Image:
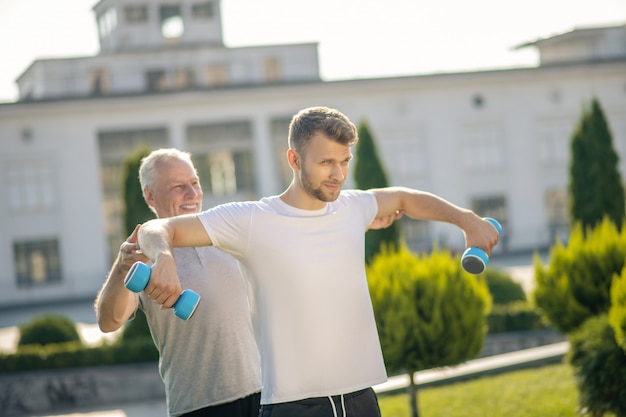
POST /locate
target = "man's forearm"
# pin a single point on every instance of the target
(427, 206)
(155, 238)
(114, 304)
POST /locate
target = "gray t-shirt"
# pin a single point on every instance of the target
(212, 358)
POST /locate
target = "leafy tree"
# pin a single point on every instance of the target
(595, 186)
(136, 210)
(369, 173)
(575, 284)
(429, 312)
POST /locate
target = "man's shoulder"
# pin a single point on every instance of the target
(353, 194)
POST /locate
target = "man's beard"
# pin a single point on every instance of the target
(320, 193)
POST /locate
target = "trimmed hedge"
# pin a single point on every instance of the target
(76, 355)
(515, 317)
(502, 288)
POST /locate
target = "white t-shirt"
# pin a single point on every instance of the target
(212, 358)
(316, 330)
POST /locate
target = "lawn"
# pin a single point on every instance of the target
(547, 391)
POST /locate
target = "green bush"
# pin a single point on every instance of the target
(599, 366)
(502, 288)
(617, 311)
(45, 330)
(575, 285)
(515, 317)
(429, 311)
(76, 355)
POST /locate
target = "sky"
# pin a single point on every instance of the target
(357, 38)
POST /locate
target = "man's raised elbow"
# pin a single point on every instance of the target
(108, 326)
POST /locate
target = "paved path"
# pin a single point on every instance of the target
(483, 366)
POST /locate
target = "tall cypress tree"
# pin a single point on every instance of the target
(369, 173)
(136, 211)
(595, 187)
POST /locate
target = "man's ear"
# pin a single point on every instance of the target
(294, 159)
(148, 196)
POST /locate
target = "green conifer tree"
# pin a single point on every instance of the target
(575, 285)
(370, 173)
(136, 210)
(595, 186)
(429, 312)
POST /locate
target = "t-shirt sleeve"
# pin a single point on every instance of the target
(363, 202)
(227, 225)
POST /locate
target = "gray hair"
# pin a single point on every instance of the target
(148, 164)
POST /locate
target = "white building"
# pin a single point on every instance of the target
(495, 141)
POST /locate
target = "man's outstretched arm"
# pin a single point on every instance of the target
(426, 206)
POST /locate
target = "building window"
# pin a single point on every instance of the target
(37, 262)
(409, 154)
(554, 138)
(483, 148)
(107, 22)
(204, 10)
(416, 235)
(494, 206)
(226, 172)
(183, 78)
(99, 81)
(216, 75)
(557, 210)
(222, 173)
(31, 186)
(271, 69)
(172, 25)
(156, 80)
(136, 13)
(223, 157)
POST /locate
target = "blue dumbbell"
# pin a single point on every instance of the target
(475, 260)
(137, 279)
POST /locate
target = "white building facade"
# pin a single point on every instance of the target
(496, 141)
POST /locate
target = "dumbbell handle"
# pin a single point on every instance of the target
(137, 279)
(475, 260)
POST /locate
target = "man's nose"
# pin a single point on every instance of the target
(337, 173)
(190, 189)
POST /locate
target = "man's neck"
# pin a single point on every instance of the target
(298, 198)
